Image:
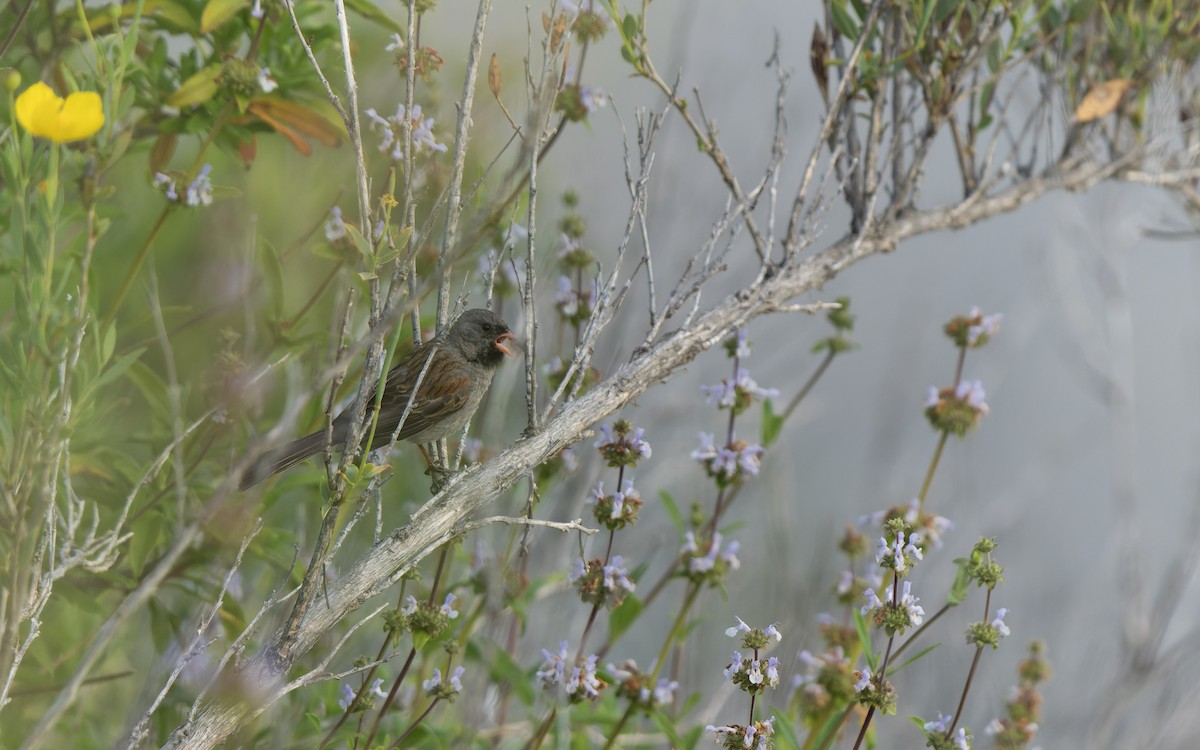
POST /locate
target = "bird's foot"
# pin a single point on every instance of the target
(439, 477)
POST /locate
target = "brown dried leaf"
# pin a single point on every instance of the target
(817, 53)
(494, 76)
(556, 33)
(1102, 99)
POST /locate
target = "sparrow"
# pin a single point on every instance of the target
(461, 365)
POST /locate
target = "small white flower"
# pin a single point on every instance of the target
(266, 82)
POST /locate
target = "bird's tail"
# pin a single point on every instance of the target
(284, 457)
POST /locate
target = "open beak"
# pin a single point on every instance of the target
(507, 348)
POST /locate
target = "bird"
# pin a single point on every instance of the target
(461, 364)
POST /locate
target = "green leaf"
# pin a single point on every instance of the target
(273, 270)
(630, 27)
(504, 670)
(926, 17)
(145, 539)
(371, 12)
(667, 725)
(828, 729)
(785, 731)
(772, 424)
(197, 89)
(842, 20)
(118, 368)
(360, 243)
(673, 511)
(962, 583)
(864, 637)
(623, 616)
(918, 655)
(217, 12)
(109, 343)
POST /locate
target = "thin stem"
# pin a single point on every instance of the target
(962, 701)
(616, 731)
(676, 626)
(863, 731)
(540, 735)
(933, 464)
(413, 726)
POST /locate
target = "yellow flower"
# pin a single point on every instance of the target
(44, 113)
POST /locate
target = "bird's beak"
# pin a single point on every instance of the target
(507, 348)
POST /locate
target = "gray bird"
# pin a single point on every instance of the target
(464, 361)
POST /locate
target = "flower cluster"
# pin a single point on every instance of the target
(974, 329)
(843, 323)
(1023, 709)
(600, 584)
(622, 444)
(618, 510)
(424, 620)
(335, 225)
(707, 562)
(758, 736)
(981, 568)
(574, 305)
(579, 682)
(589, 20)
(989, 633)
(753, 674)
(873, 690)
(366, 702)
(929, 527)
(892, 615)
(737, 394)
(634, 686)
(391, 128)
(940, 737)
(730, 463)
(435, 687)
(901, 552)
(571, 253)
(576, 101)
(199, 192)
(827, 678)
(956, 410)
(848, 585)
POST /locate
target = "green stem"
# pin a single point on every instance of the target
(616, 731)
(51, 224)
(133, 270)
(933, 464)
(676, 626)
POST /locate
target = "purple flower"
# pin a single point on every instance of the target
(347, 697)
(941, 726)
(389, 129)
(998, 623)
(554, 666)
(335, 227)
(433, 682)
(583, 682)
(199, 192)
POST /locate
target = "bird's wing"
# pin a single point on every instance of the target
(445, 389)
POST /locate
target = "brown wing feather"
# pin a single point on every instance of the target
(444, 390)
